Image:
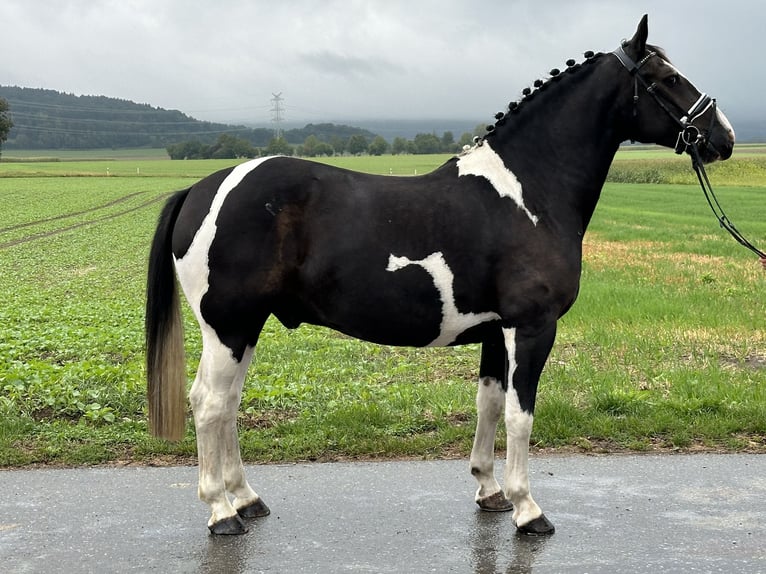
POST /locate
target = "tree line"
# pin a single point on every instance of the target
(228, 146)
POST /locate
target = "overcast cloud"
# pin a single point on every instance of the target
(354, 59)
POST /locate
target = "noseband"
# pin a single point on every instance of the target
(689, 137)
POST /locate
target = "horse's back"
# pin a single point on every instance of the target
(313, 243)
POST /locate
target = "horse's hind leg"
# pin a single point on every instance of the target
(215, 398)
(490, 402)
(246, 501)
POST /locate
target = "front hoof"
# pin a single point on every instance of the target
(227, 526)
(255, 509)
(495, 503)
(540, 526)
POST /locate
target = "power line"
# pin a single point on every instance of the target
(17, 128)
(105, 122)
(13, 103)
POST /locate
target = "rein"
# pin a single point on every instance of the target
(689, 138)
(715, 206)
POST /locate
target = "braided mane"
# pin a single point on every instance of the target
(528, 94)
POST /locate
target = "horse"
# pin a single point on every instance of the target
(487, 249)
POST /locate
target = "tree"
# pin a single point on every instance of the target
(5, 121)
(338, 144)
(310, 146)
(379, 146)
(230, 147)
(279, 146)
(427, 143)
(187, 150)
(399, 145)
(323, 148)
(357, 145)
(448, 142)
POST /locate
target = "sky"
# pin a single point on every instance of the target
(340, 60)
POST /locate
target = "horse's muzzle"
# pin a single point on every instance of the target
(719, 140)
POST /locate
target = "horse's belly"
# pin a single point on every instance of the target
(417, 319)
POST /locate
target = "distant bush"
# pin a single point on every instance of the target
(226, 147)
(741, 171)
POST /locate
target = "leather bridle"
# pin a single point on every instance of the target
(689, 137)
(689, 134)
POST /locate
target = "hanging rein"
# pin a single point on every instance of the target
(689, 138)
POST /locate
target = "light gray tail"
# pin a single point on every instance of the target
(165, 357)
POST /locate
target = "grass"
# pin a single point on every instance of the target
(665, 347)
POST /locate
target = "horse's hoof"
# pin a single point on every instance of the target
(495, 503)
(230, 525)
(254, 510)
(540, 526)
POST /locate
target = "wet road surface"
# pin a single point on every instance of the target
(645, 513)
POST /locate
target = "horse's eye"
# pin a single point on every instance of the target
(672, 80)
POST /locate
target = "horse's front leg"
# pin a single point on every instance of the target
(526, 358)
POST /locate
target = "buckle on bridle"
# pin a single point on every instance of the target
(688, 137)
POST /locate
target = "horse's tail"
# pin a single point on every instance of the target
(165, 358)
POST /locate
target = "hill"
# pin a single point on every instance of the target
(47, 119)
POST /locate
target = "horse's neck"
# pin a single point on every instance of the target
(561, 147)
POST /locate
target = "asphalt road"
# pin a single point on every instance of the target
(646, 513)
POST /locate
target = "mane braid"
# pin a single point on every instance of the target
(514, 107)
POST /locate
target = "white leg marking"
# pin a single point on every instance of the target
(490, 400)
(233, 471)
(482, 161)
(518, 426)
(215, 397)
(453, 321)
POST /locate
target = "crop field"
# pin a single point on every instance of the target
(664, 349)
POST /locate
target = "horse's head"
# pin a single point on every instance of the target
(665, 106)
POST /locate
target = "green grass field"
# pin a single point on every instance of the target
(665, 348)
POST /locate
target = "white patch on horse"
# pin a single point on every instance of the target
(453, 321)
(724, 121)
(482, 161)
(192, 268)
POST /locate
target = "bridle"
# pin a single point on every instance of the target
(689, 137)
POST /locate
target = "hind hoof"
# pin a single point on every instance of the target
(228, 526)
(495, 503)
(255, 509)
(540, 526)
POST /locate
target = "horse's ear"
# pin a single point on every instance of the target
(638, 41)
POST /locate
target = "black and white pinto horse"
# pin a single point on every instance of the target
(485, 249)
